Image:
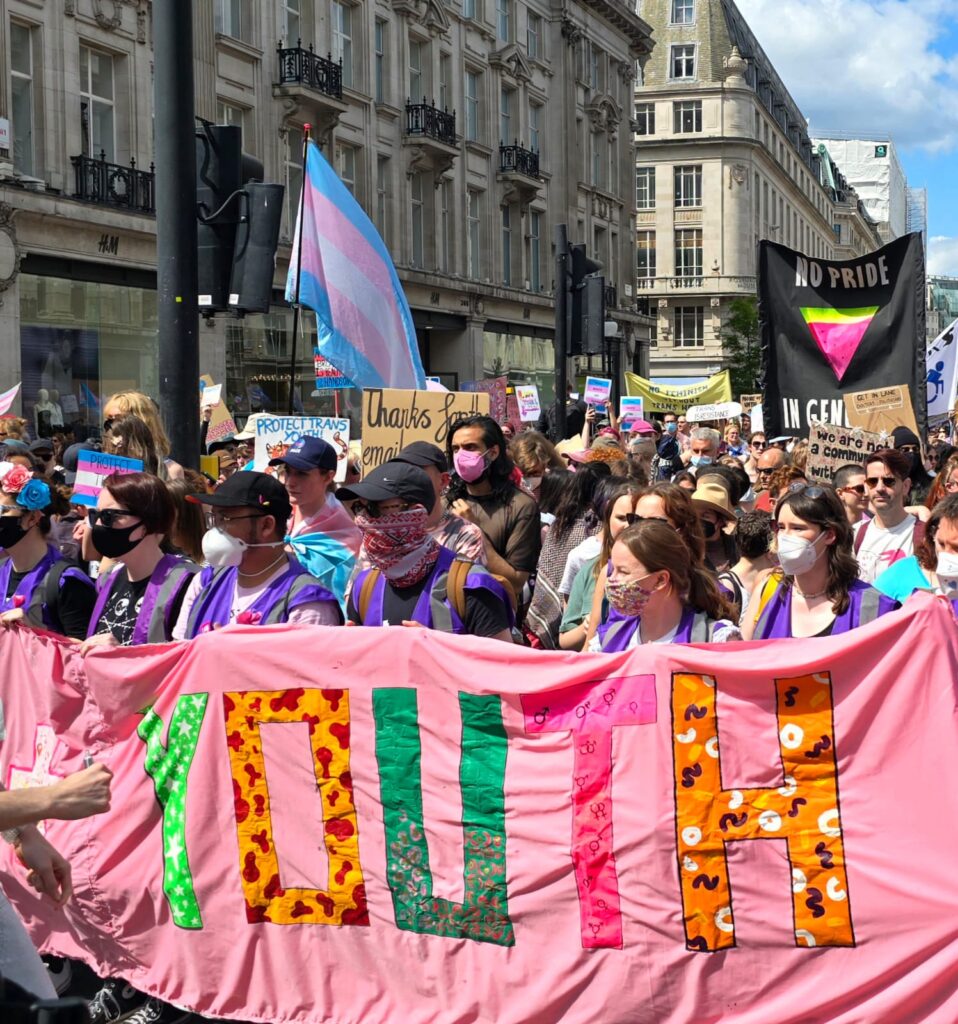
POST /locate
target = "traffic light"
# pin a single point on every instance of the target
(588, 310)
(239, 219)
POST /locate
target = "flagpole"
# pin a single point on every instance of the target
(299, 272)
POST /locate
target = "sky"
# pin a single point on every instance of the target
(878, 66)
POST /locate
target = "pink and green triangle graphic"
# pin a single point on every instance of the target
(838, 333)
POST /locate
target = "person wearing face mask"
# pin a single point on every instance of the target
(38, 586)
(704, 448)
(251, 579)
(668, 452)
(934, 565)
(139, 600)
(660, 595)
(413, 581)
(906, 442)
(816, 590)
(713, 504)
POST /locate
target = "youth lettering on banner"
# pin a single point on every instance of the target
(288, 803)
(275, 435)
(830, 328)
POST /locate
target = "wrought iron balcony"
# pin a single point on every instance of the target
(428, 121)
(298, 66)
(98, 181)
(516, 159)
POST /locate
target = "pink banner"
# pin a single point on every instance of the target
(314, 825)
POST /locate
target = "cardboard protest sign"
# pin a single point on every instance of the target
(346, 822)
(748, 402)
(830, 447)
(881, 409)
(275, 435)
(393, 418)
(662, 398)
(527, 395)
(717, 411)
(93, 468)
(597, 390)
(210, 465)
(222, 426)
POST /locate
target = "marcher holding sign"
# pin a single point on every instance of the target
(275, 435)
(93, 468)
(718, 411)
(597, 390)
(528, 397)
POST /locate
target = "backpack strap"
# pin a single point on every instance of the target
(51, 587)
(868, 609)
(860, 536)
(456, 586)
(700, 632)
(769, 590)
(366, 593)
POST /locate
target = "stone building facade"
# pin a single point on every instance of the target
(467, 129)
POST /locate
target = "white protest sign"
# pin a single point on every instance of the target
(631, 407)
(758, 419)
(941, 366)
(211, 395)
(597, 390)
(719, 411)
(527, 395)
(275, 435)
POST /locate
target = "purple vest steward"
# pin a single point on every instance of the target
(32, 593)
(865, 604)
(169, 580)
(694, 628)
(434, 610)
(214, 603)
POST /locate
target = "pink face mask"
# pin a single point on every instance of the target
(469, 465)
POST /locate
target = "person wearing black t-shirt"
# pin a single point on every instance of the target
(38, 586)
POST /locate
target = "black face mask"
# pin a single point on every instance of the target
(113, 542)
(11, 533)
(709, 528)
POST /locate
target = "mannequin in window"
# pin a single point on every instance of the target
(43, 411)
(56, 417)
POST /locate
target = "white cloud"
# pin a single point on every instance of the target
(943, 256)
(865, 65)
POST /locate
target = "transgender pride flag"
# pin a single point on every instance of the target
(364, 325)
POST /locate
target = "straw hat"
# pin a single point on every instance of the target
(714, 497)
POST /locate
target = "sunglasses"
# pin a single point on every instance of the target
(812, 490)
(759, 446)
(859, 489)
(873, 481)
(766, 472)
(107, 516)
(632, 518)
(108, 424)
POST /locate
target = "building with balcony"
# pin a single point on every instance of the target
(723, 159)
(467, 129)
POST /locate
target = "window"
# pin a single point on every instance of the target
(231, 18)
(294, 177)
(445, 82)
(445, 226)
(599, 158)
(507, 99)
(292, 22)
(21, 98)
(472, 217)
(689, 326)
(645, 258)
(417, 218)
(535, 251)
(533, 35)
(96, 104)
(645, 188)
(380, 47)
(506, 245)
(342, 39)
(503, 20)
(594, 55)
(687, 117)
(535, 115)
(382, 197)
(645, 119)
(227, 113)
(688, 254)
(416, 94)
(469, 9)
(612, 178)
(472, 106)
(682, 61)
(683, 12)
(346, 166)
(688, 185)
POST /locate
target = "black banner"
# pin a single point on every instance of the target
(830, 328)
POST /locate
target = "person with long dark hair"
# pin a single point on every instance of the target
(816, 590)
(934, 565)
(482, 491)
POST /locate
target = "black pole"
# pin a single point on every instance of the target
(562, 327)
(177, 308)
(299, 274)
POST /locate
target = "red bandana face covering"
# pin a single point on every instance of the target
(398, 545)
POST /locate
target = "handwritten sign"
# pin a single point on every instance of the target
(275, 435)
(93, 468)
(597, 390)
(881, 409)
(748, 402)
(831, 446)
(495, 388)
(718, 411)
(527, 395)
(393, 418)
(328, 378)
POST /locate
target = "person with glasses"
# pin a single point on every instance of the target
(934, 565)
(849, 484)
(139, 600)
(659, 594)
(906, 441)
(767, 464)
(413, 581)
(38, 586)
(816, 590)
(893, 533)
(251, 579)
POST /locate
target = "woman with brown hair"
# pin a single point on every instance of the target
(934, 565)
(187, 536)
(125, 403)
(535, 455)
(660, 594)
(131, 437)
(945, 483)
(816, 590)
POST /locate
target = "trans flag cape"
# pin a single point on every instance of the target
(345, 273)
(328, 548)
(372, 826)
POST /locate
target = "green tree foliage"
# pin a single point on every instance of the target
(741, 346)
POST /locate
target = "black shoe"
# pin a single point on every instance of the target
(115, 1001)
(60, 970)
(153, 1011)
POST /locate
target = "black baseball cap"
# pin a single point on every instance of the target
(249, 490)
(43, 444)
(422, 454)
(308, 453)
(393, 480)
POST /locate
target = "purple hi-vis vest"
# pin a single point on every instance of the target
(865, 604)
(434, 609)
(154, 623)
(31, 594)
(694, 628)
(213, 606)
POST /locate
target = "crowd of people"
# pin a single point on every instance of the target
(623, 534)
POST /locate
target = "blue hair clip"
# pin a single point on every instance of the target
(34, 495)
